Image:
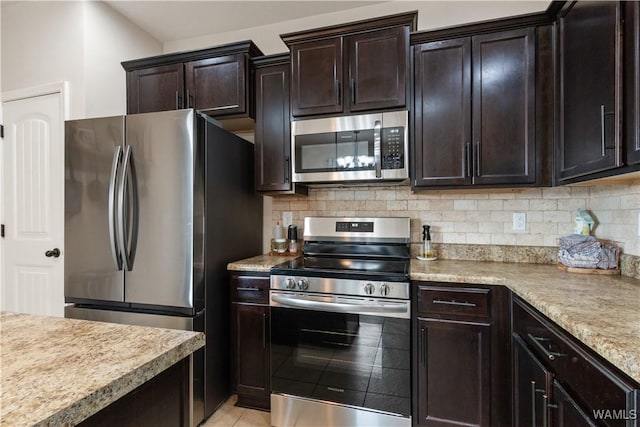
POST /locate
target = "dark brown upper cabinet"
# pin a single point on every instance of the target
(317, 77)
(378, 72)
(442, 113)
(217, 86)
(216, 81)
(632, 80)
(272, 127)
(155, 89)
(475, 110)
(348, 68)
(590, 89)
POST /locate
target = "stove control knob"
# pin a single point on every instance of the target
(369, 289)
(384, 290)
(290, 283)
(303, 284)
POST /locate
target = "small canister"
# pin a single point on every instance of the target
(292, 237)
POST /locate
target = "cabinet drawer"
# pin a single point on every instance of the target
(468, 302)
(593, 380)
(254, 289)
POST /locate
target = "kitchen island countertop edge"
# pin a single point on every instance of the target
(58, 371)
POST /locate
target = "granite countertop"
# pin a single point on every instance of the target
(58, 371)
(260, 263)
(601, 311)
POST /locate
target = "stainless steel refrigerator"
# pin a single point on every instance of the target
(156, 205)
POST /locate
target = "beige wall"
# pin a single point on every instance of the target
(483, 217)
(110, 39)
(42, 43)
(75, 41)
(431, 14)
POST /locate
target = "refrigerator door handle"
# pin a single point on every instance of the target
(115, 250)
(132, 202)
(127, 230)
(123, 209)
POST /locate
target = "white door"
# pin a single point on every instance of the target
(33, 181)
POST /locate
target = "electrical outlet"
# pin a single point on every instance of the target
(287, 219)
(519, 221)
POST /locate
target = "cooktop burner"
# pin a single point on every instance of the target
(352, 248)
(389, 270)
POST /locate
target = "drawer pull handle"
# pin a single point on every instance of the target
(454, 302)
(537, 342)
(249, 289)
(534, 390)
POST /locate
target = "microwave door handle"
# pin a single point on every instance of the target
(377, 155)
(113, 238)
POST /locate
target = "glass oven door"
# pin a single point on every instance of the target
(352, 359)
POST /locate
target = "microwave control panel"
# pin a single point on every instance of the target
(393, 148)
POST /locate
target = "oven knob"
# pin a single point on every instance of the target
(290, 283)
(384, 289)
(303, 284)
(369, 289)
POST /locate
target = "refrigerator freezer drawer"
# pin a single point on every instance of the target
(136, 318)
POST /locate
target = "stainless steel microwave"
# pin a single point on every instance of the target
(367, 147)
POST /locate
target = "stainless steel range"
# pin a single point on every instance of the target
(340, 326)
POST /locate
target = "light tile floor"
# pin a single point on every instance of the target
(229, 415)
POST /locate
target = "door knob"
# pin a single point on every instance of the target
(52, 253)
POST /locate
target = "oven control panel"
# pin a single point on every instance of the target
(355, 227)
(368, 288)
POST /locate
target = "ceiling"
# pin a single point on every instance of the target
(176, 20)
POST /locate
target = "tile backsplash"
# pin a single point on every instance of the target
(482, 217)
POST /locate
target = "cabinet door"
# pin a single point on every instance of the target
(442, 113)
(217, 85)
(453, 365)
(504, 107)
(531, 382)
(155, 89)
(316, 77)
(632, 82)
(273, 130)
(378, 69)
(589, 110)
(250, 329)
(565, 412)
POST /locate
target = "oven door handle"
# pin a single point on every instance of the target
(341, 307)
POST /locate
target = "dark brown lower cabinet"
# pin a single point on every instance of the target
(461, 355)
(565, 412)
(531, 383)
(161, 401)
(250, 340)
(557, 382)
(453, 372)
